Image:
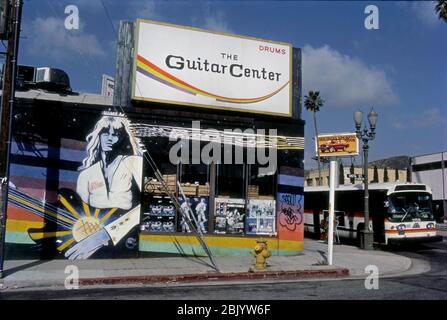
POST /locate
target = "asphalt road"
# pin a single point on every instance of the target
(431, 285)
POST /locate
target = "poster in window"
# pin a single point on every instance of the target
(159, 215)
(199, 207)
(229, 216)
(261, 217)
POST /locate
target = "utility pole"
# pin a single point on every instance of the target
(8, 97)
(367, 234)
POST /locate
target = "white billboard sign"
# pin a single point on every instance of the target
(188, 66)
(108, 85)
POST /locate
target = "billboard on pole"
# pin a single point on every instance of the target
(338, 144)
(194, 67)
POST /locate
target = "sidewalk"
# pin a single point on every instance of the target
(348, 261)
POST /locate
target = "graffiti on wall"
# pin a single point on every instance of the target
(290, 210)
(98, 205)
(290, 203)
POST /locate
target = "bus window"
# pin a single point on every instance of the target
(410, 206)
(340, 216)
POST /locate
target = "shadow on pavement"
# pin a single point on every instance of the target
(13, 270)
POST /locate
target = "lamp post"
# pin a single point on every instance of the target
(366, 235)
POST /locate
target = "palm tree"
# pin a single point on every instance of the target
(385, 175)
(441, 9)
(313, 103)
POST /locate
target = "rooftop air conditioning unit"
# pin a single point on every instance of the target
(52, 79)
(25, 77)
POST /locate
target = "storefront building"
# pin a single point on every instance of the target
(83, 170)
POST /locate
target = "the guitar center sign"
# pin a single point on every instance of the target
(188, 66)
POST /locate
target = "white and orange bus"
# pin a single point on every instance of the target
(399, 212)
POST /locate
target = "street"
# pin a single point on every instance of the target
(431, 285)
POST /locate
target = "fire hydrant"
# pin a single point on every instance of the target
(261, 252)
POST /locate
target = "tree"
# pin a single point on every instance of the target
(375, 175)
(385, 175)
(408, 174)
(313, 103)
(396, 175)
(341, 174)
(441, 9)
(351, 171)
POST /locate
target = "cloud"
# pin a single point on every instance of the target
(397, 124)
(425, 12)
(48, 37)
(345, 81)
(217, 21)
(147, 10)
(211, 18)
(430, 117)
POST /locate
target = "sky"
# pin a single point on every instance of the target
(399, 69)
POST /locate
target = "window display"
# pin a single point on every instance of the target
(199, 207)
(261, 217)
(159, 215)
(229, 216)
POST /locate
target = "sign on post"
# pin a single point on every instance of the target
(194, 67)
(337, 144)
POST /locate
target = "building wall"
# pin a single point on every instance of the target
(431, 170)
(311, 177)
(48, 217)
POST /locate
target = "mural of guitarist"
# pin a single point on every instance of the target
(110, 177)
(104, 210)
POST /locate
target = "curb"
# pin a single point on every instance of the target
(301, 274)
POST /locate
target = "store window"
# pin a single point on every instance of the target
(261, 206)
(229, 203)
(158, 211)
(194, 193)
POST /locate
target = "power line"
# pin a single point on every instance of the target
(109, 18)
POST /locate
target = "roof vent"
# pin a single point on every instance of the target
(52, 79)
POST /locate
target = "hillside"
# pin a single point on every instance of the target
(399, 162)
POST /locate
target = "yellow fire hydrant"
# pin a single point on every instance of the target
(261, 252)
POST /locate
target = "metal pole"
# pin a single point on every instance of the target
(318, 151)
(333, 174)
(365, 165)
(7, 112)
(366, 241)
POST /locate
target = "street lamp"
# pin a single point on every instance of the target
(366, 235)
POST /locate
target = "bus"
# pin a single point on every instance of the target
(398, 212)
